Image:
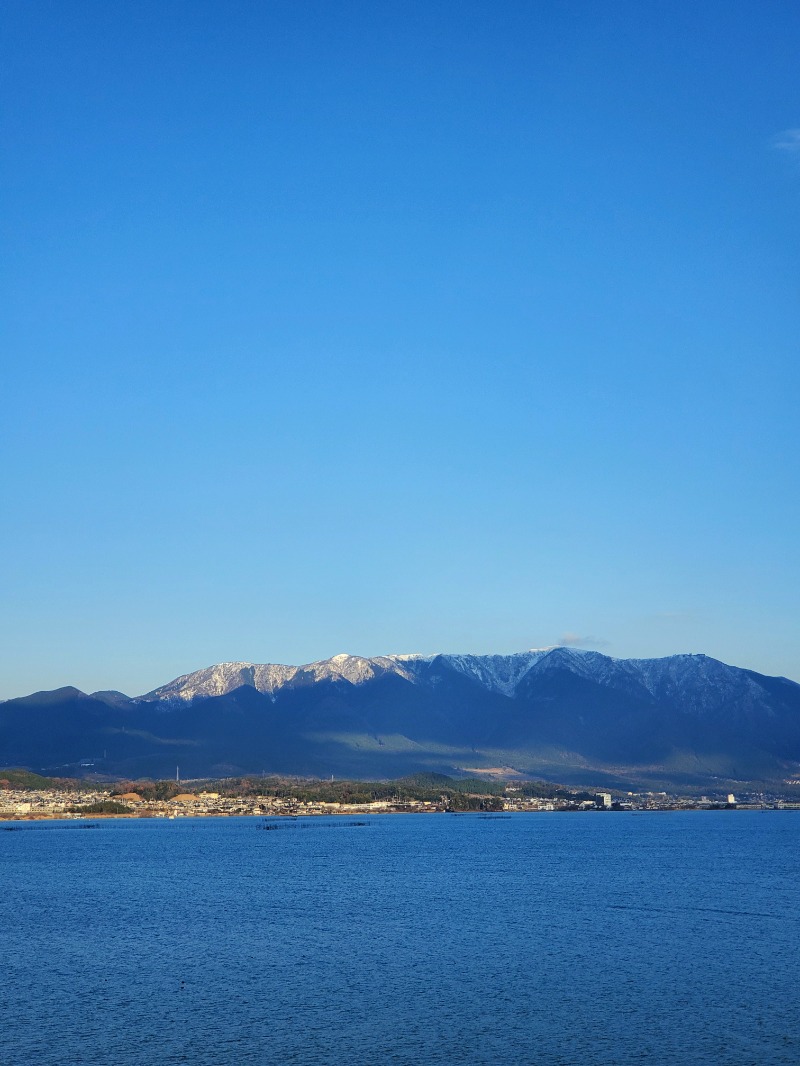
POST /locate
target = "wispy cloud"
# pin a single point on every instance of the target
(787, 141)
(572, 640)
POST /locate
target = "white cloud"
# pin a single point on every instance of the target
(572, 640)
(788, 141)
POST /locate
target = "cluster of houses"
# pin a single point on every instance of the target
(45, 803)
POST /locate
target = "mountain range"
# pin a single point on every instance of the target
(579, 717)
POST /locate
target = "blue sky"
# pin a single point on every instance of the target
(389, 327)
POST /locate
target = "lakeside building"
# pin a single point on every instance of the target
(24, 804)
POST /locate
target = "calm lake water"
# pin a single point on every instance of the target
(550, 939)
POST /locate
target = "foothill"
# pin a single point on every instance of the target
(27, 796)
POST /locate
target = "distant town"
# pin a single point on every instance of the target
(25, 796)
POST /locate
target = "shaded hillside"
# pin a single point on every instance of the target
(581, 718)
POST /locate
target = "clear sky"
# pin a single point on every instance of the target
(396, 326)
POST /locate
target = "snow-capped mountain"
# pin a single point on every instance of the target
(497, 673)
(696, 680)
(271, 677)
(225, 677)
(571, 715)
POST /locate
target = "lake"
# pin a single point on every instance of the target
(546, 939)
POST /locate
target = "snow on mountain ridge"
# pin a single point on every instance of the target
(498, 673)
(224, 677)
(268, 678)
(354, 668)
(698, 678)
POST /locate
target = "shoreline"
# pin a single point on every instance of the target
(181, 816)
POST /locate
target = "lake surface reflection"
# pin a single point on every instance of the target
(547, 939)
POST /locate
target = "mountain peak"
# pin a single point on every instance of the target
(497, 673)
(552, 711)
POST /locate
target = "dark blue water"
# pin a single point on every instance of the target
(547, 939)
